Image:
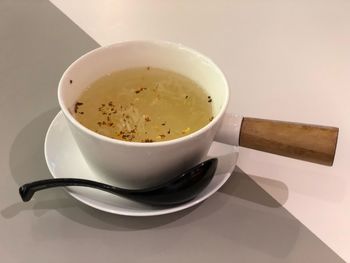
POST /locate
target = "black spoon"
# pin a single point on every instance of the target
(179, 190)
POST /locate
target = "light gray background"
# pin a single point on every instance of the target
(240, 223)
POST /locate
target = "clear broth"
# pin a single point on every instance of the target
(144, 105)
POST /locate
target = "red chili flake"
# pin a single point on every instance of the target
(139, 90)
(76, 106)
(163, 124)
(169, 131)
(210, 100)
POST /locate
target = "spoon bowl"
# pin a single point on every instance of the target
(178, 190)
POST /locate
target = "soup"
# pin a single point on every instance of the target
(144, 105)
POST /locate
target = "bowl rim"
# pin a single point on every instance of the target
(162, 43)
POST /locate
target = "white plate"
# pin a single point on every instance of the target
(64, 159)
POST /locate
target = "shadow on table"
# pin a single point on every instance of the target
(244, 187)
(27, 164)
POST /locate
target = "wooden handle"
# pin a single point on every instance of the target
(306, 142)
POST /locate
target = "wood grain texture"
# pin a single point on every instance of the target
(306, 142)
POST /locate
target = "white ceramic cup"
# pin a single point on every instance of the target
(136, 164)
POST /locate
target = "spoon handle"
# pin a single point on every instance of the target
(313, 143)
(27, 191)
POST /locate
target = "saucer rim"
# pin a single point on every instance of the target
(154, 211)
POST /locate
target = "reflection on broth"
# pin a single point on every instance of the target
(144, 105)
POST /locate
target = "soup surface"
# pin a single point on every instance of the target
(144, 105)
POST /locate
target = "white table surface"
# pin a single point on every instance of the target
(286, 60)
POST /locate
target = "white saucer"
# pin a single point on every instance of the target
(64, 159)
